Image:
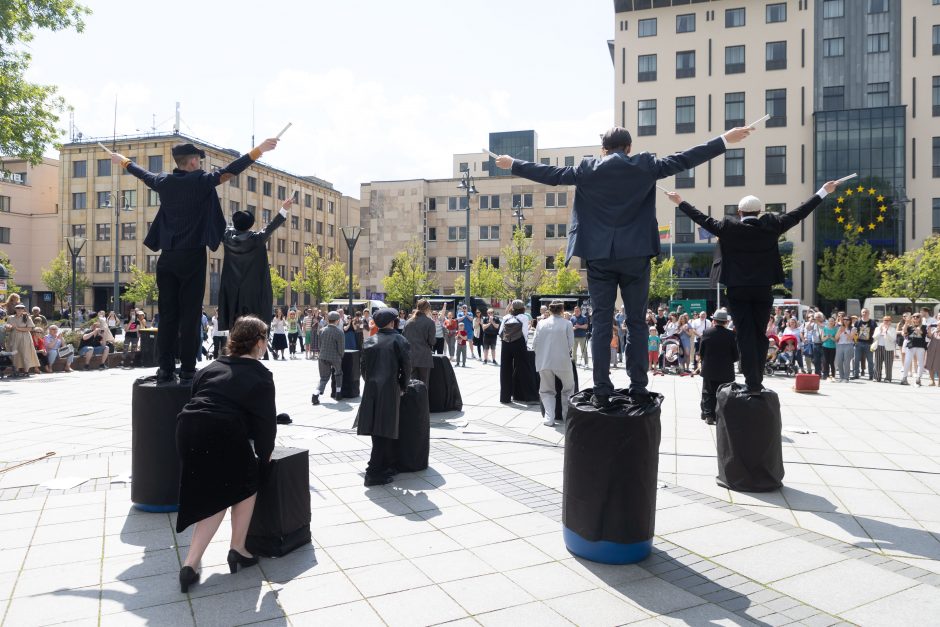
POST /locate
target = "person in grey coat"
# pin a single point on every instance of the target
(420, 333)
(554, 340)
(332, 347)
(386, 369)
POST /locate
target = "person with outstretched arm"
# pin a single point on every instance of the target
(749, 265)
(189, 219)
(613, 229)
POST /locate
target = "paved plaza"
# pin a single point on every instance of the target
(853, 537)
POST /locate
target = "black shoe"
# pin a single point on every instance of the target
(600, 401)
(710, 420)
(188, 577)
(163, 376)
(236, 559)
(314, 399)
(283, 419)
(186, 377)
(383, 479)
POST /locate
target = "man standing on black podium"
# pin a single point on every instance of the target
(189, 219)
(613, 229)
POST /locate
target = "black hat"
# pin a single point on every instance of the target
(181, 150)
(242, 220)
(384, 316)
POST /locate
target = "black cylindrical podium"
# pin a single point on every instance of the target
(413, 446)
(750, 451)
(155, 466)
(443, 391)
(611, 464)
(149, 354)
(352, 372)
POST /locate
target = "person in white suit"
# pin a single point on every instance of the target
(554, 339)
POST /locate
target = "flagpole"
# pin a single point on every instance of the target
(672, 274)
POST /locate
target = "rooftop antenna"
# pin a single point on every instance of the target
(153, 123)
(176, 124)
(114, 135)
(252, 122)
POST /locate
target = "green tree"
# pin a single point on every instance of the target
(278, 284)
(662, 282)
(322, 279)
(58, 278)
(848, 270)
(337, 273)
(521, 274)
(12, 287)
(781, 288)
(914, 275)
(29, 111)
(407, 276)
(485, 281)
(141, 289)
(562, 280)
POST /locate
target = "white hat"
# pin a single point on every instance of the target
(750, 204)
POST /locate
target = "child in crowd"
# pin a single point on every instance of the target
(652, 346)
(462, 346)
(614, 350)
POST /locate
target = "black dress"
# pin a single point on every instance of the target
(232, 403)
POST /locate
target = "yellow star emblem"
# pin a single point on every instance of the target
(848, 227)
(861, 229)
(838, 209)
(880, 198)
(871, 226)
(840, 199)
(861, 188)
(848, 192)
(881, 218)
(882, 208)
(840, 219)
(871, 191)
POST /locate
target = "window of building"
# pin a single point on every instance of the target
(295, 248)
(129, 198)
(549, 262)
(562, 199)
(776, 55)
(775, 165)
(834, 47)
(155, 163)
(776, 106)
(490, 232)
(319, 204)
(569, 162)
(127, 261)
(685, 232)
(152, 263)
(281, 192)
(734, 18)
(522, 200)
(833, 8)
(685, 114)
(484, 201)
(282, 271)
(936, 96)
(464, 166)
(233, 205)
(549, 231)
(776, 12)
(330, 206)
(153, 198)
(103, 232)
(647, 27)
(936, 157)
(330, 232)
(78, 230)
(281, 245)
(877, 6)
(78, 200)
(549, 199)
(432, 233)
(104, 167)
(544, 161)
(834, 98)
(456, 233)
(877, 95)
(266, 188)
(103, 263)
(319, 228)
(685, 23)
(129, 230)
(877, 42)
(5, 204)
(494, 201)
(456, 263)
(252, 184)
(731, 210)
(685, 64)
(686, 179)
(4, 235)
(295, 222)
(936, 212)
(251, 209)
(79, 169)
(734, 167)
(308, 225)
(646, 68)
(776, 207)
(432, 264)
(234, 182)
(936, 39)
(734, 59)
(102, 199)
(265, 216)
(734, 109)
(646, 118)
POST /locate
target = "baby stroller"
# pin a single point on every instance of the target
(670, 357)
(781, 356)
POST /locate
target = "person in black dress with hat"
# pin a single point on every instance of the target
(232, 406)
(718, 351)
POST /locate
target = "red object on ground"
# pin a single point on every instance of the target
(808, 383)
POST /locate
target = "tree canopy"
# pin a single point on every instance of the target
(407, 276)
(848, 270)
(58, 278)
(914, 275)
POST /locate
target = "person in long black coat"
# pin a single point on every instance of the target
(386, 368)
(420, 332)
(245, 287)
(718, 351)
(232, 406)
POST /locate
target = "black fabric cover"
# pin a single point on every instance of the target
(155, 466)
(281, 520)
(750, 452)
(149, 353)
(558, 413)
(443, 391)
(611, 464)
(352, 372)
(525, 380)
(413, 445)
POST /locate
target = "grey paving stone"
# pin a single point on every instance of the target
(844, 585)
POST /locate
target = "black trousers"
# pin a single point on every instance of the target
(218, 345)
(439, 346)
(710, 395)
(750, 308)
(382, 458)
(421, 374)
(513, 358)
(632, 276)
(181, 279)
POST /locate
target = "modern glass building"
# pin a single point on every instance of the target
(518, 144)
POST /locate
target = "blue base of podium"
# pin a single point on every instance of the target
(607, 552)
(157, 509)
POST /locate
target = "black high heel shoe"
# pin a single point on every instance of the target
(188, 576)
(236, 559)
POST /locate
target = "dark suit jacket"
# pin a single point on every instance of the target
(749, 253)
(718, 351)
(614, 211)
(386, 368)
(245, 287)
(190, 214)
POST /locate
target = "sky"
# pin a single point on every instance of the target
(376, 90)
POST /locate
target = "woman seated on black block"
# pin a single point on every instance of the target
(232, 403)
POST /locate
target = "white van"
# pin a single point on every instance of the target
(358, 304)
(793, 304)
(894, 307)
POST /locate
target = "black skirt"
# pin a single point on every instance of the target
(218, 466)
(278, 341)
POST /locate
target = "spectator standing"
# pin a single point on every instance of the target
(915, 332)
(478, 332)
(490, 333)
(19, 327)
(812, 344)
(884, 341)
(845, 347)
(450, 337)
(718, 351)
(864, 333)
(293, 333)
(932, 357)
(672, 325)
(828, 335)
(653, 342)
(661, 320)
(461, 347)
(420, 335)
(579, 323)
(131, 341)
(699, 325)
(465, 320)
(438, 332)
(553, 343)
(307, 328)
(279, 333)
(330, 362)
(620, 331)
(514, 365)
(219, 337)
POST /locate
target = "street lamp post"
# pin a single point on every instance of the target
(467, 184)
(75, 245)
(351, 235)
(117, 249)
(520, 218)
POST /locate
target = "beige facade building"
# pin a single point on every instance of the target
(852, 86)
(91, 188)
(29, 224)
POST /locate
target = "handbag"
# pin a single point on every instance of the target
(66, 350)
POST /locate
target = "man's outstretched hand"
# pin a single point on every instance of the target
(504, 162)
(118, 158)
(268, 145)
(674, 197)
(286, 205)
(830, 186)
(736, 134)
